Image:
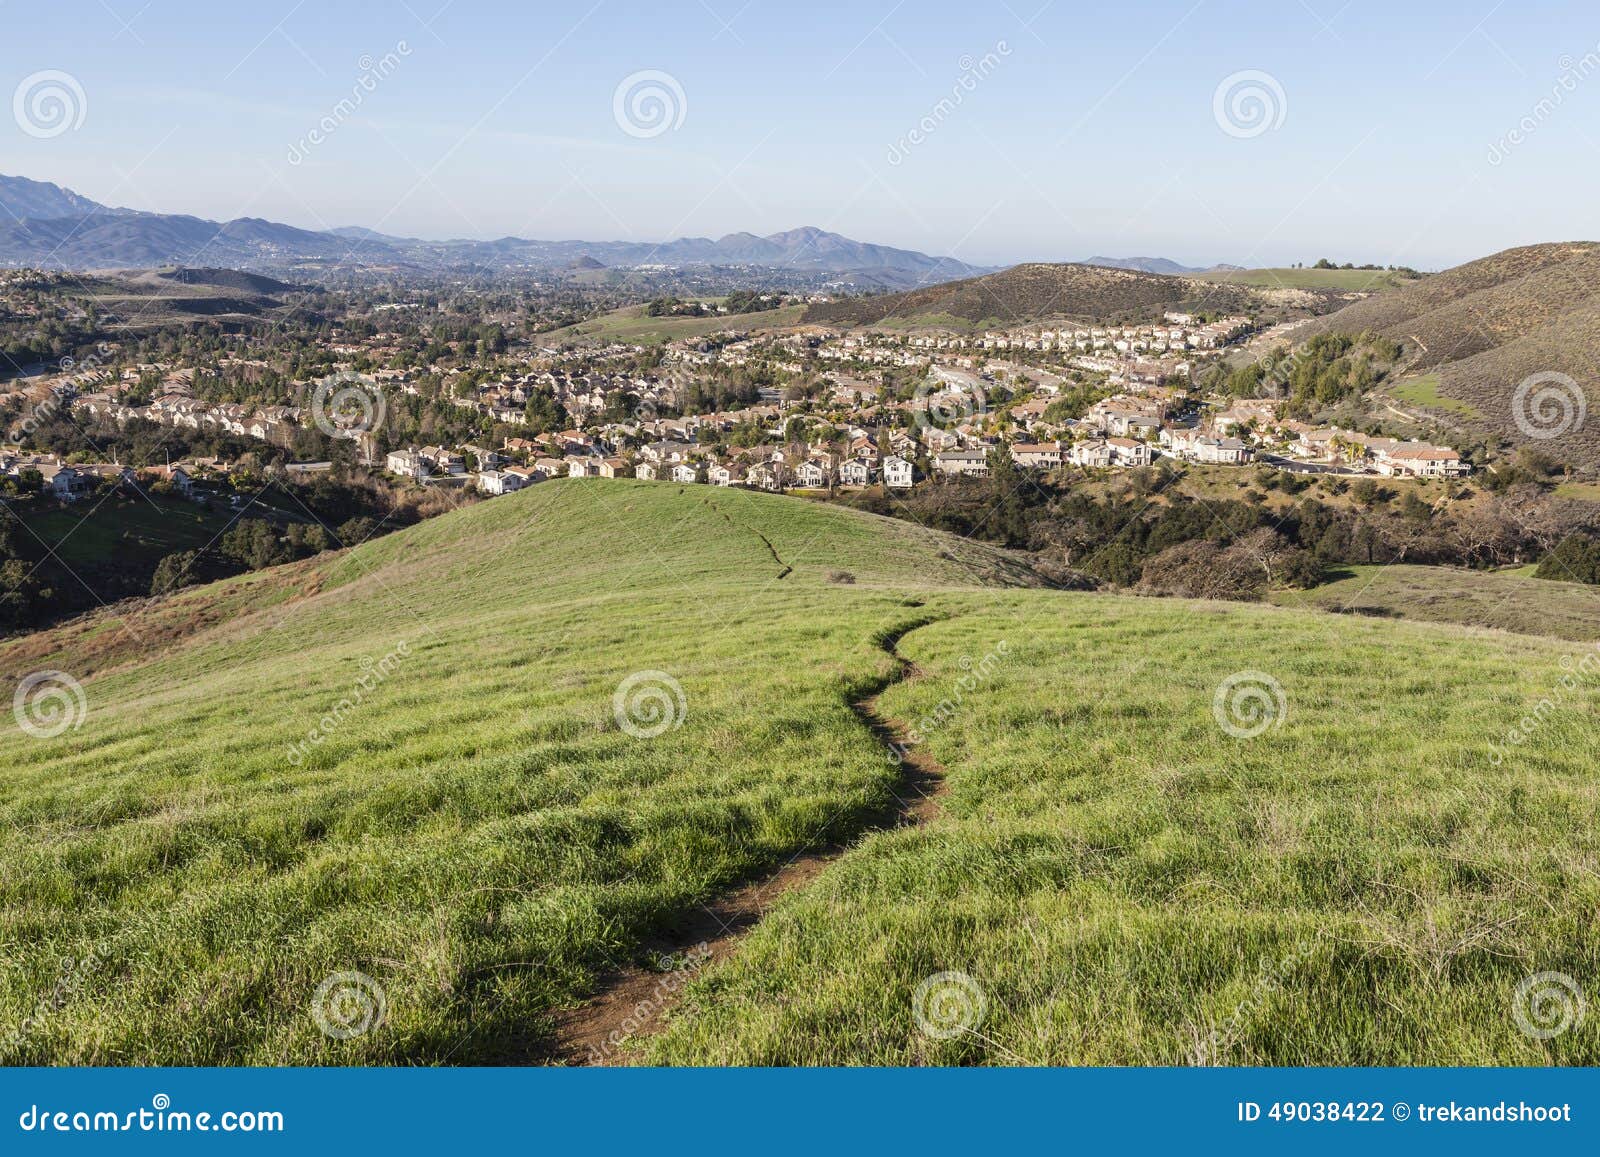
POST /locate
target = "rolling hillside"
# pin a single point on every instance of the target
(1483, 328)
(487, 761)
(1351, 281)
(1033, 291)
(632, 324)
(148, 299)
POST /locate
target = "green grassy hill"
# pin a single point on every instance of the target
(1497, 600)
(630, 324)
(135, 532)
(409, 761)
(1343, 280)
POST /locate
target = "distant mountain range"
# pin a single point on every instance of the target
(1154, 265)
(21, 198)
(42, 224)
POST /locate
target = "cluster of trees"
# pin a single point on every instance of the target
(342, 511)
(1324, 263)
(1152, 536)
(739, 301)
(38, 588)
(1326, 370)
(140, 443)
(1575, 559)
(44, 317)
(253, 544)
(751, 301)
(27, 589)
(675, 307)
(1075, 401)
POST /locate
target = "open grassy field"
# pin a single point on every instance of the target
(486, 760)
(1115, 880)
(629, 324)
(1583, 491)
(1424, 391)
(1508, 600)
(479, 833)
(1346, 280)
(135, 531)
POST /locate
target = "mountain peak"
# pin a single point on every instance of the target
(22, 197)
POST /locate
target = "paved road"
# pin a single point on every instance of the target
(1295, 466)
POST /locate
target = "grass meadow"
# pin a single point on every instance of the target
(1424, 391)
(1116, 880)
(1345, 280)
(1505, 600)
(630, 324)
(409, 761)
(138, 530)
(478, 834)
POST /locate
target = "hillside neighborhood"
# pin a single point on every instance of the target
(837, 415)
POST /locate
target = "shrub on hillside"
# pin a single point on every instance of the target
(1577, 559)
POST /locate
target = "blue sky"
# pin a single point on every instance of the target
(1079, 129)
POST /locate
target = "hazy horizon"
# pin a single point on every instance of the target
(1211, 132)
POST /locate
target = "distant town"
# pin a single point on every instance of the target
(1099, 398)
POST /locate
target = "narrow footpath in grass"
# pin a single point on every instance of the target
(772, 550)
(632, 1002)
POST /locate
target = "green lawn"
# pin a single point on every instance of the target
(1507, 600)
(1424, 391)
(133, 530)
(479, 834)
(1348, 280)
(483, 834)
(1584, 491)
(630, 325)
